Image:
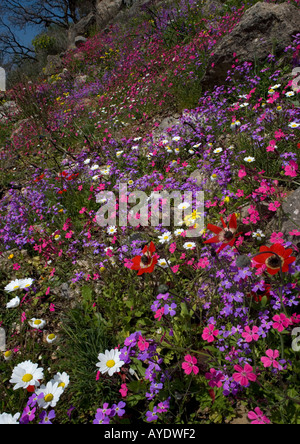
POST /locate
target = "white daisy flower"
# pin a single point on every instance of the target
(118, 153)
(218, 150)
(111, 230)
(14, 285)
(189, 245)
(289, 94)
(178, 231)
(63, 379)
(183, 206)
(25, 374)
(294, 125)
(95, 167)
(7, 355)
(51, 392)
(249, 159)
(51, 338)
(56, 237)
(87, 161)
(258, 234)
(109, 362)
(165, 237)
(37, 323)
(163, 263)
(7, 418)
(13, 303)
(197, 145)
(176, 138)
(26, 283)
(96, 177)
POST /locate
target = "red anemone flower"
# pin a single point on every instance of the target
(275, 258)
(147, 261)
(226, 235)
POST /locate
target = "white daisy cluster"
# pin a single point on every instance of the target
(27, 374)
(17, 284)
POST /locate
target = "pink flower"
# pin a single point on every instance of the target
(291, 169)
(209, 333)
(189, 365)
(142, 343)
(274, 205)
(159, 313)
(257, 417)
(123, 390)
(276, 238)
(242, 173)
(172, 247)
(244, 375)
(281, 322)
(270, 359)
(250, 335)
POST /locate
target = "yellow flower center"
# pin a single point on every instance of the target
(110, 363)
(49, 397)
(16, 287)
(27, 377)
(52, 336)
(8, 353)
(61, 384)
(37, 322)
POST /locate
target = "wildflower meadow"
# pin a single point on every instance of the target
(188, 320)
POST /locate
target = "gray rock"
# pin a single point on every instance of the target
(291, 220)
(54, 65)
(106, 10)
(79, 40)
(263, 29)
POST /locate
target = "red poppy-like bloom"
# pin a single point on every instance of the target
(274, 258)
(226, 235)
(147, 261)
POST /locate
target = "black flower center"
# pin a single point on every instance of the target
(228, 235)
(274, 262)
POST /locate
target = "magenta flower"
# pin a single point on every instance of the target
(250, 335)
(257, 417)
(270, 359)
(189, 365)
(209, 333)
(281, 322)
(244, 375)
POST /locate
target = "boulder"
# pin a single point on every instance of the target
(264, 29)
(106, 10)
(54, 65)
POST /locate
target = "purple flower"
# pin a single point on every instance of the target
(151, 416)
(100, 418)
(28, 415)
(119, 408)
(170, 309)
(46, 417)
